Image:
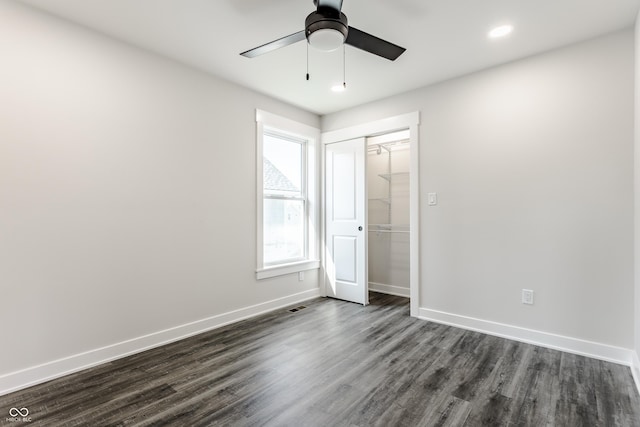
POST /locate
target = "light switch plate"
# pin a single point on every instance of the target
(432, 199)
(527, 296)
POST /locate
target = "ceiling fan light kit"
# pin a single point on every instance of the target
(326, 30)
(326, 40)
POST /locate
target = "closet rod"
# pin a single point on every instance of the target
(385, 145)
(377, 148)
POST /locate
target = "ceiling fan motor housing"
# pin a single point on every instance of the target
(326, 29)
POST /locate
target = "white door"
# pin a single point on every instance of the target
(346, 221)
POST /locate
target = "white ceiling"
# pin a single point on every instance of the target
(443, 38)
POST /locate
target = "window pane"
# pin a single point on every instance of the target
(282, 166)
(283, 230)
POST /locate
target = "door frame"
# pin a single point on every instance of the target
(409, 121)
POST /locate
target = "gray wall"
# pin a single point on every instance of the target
(533, 165)
(127, 192)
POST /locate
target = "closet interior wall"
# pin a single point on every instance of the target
(388, 213)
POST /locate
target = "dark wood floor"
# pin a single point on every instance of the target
(335, 363)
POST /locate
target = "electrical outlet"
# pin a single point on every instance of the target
(300, 276)
(527, 296)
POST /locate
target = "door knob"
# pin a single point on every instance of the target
(360, 228)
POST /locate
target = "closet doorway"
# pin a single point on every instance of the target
(391, 225)
(388, 231)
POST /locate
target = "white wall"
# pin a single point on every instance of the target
(127, 192)
(637, 202)
(532, 163)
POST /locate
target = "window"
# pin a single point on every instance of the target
(287, 207)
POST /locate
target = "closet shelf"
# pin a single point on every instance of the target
(388, 228)
(389, 231)
(397, 227)
(389, 176)
(383, 200)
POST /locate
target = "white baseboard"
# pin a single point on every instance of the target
(635, 369)
(389, 289)
(591, 349)
(57, 368)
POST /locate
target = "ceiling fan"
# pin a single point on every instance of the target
(327, 29)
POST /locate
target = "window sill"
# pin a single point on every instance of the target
(281, 270)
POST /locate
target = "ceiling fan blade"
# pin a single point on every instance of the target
(276, 44)
(373, 44)
(332, 4)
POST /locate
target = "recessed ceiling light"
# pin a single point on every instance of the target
(501, 31)
(339, 87)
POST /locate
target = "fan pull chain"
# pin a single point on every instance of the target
(344, 67)
(307, 61)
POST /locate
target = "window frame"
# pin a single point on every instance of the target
(309, 136)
